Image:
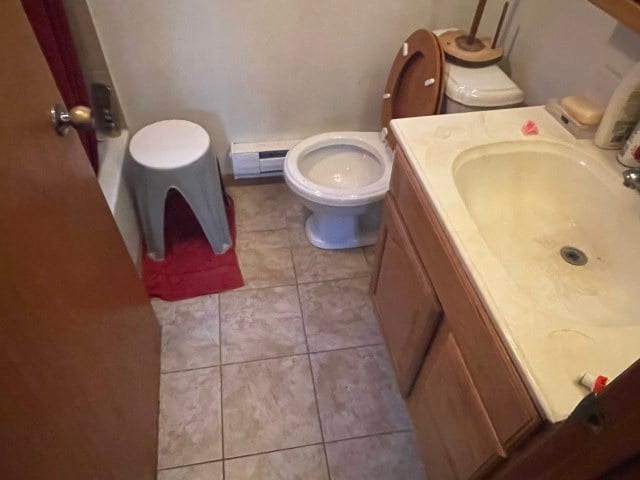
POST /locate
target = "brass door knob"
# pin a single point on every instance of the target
(79, 118)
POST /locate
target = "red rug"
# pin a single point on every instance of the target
(190, 267)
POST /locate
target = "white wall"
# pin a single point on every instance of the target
(558, 48)
(251, 70)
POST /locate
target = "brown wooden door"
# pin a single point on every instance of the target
(406, 306)
(79, 345)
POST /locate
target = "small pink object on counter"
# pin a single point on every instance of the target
(530, 128)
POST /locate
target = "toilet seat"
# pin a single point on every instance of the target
(416, 81)
(366, 145)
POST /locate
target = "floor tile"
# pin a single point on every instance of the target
(382, 457)
(190, 427)
(339, 314)
(357, 393)
(297, 213)
(306, 463)
(268, 405)
(265, 259)
(206, 471)
(296, 219)
(189, 332)
(263, 240)
(261, 207)
(315, 265)
(370, 255)
(297, 235)
(260, 324)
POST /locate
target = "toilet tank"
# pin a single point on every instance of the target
(484, 88)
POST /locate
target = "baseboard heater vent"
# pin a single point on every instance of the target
(262, 159)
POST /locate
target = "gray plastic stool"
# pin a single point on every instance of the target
(176, 154)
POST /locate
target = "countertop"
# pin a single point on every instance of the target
(549, 347)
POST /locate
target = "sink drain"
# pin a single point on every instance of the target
(574, 256)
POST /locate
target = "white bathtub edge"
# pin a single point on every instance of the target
(112, 152)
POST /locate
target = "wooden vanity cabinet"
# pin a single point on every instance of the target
(469, 406)
(450, 419)
(404, 299)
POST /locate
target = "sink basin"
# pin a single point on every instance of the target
(530, 200)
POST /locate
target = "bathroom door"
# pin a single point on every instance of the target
(79, 344)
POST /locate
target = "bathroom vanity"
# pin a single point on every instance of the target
(438, 309)
(486, 369)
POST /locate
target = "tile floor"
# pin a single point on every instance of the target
(288, 377)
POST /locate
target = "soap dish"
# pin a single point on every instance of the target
(577, 129)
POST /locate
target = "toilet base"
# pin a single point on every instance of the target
(335, 232)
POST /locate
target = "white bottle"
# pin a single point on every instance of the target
(622, 112)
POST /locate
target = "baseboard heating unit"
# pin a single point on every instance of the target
(261, 159)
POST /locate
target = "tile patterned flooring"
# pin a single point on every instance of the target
(288, 377)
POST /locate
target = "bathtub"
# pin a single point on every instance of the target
(112, 153)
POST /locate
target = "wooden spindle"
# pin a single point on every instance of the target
(505, 7)
(476, 21)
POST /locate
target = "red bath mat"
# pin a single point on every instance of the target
(190, 267)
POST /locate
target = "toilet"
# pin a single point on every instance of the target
(473, 89)
(342, 177)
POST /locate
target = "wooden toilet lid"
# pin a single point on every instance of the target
(416, 81)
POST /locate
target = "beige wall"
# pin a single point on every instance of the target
(252, 70)
(559, 48)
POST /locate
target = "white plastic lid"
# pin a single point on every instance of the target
(169, 144)
(481, 87)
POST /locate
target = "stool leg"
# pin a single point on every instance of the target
(207, 204)
(151, 211)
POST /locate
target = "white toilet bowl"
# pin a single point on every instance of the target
(342, 178)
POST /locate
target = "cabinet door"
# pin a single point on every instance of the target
(407, 308)
(455, 433)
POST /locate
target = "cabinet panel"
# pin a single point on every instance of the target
(451, 421)
(509, 406)
(405, 303)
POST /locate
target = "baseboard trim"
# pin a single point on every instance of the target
(229, 181)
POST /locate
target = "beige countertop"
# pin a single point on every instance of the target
(556, 319)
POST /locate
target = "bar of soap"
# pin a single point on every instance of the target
(582, 109)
